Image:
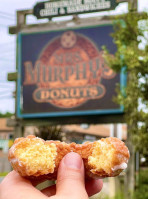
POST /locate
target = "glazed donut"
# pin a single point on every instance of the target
(32, 157)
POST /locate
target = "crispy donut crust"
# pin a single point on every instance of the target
(107, 157)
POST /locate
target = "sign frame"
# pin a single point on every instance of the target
(120, 111)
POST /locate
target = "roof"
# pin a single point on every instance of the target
(97, 130)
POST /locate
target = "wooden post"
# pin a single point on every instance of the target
(19, 127)
(114, 183)
(18, 131)
(132, 5)
(129, 181)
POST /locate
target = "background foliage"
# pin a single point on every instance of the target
(5, 115)
(131, 38)
(49, 132)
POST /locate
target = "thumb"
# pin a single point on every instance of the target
(70, 180)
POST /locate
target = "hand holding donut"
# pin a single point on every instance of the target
(70, 183)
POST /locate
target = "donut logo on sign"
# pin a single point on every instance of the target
(68, 39)
(68, 72)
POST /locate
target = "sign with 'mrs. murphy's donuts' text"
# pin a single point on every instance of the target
(64, 73)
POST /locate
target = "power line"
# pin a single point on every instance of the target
(1, 96)
(4, 59)
(9, 54)
(6, 87)
(12, 90)
(5, 92)
(6, 13)
(2, 54)
(5, 26)
(6, 47)
(6, 17)
(6, 97)
(7, 43)
(6, 50)
(6, 84)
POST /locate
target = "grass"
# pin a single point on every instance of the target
(99, 196)
(3, 174)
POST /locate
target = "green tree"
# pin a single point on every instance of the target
(7, 114)
(131, 38)
(50, 132)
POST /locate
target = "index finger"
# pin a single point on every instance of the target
(18, 186)
(93, 186)
(13, 178)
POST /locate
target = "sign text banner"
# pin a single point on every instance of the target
(69, 7)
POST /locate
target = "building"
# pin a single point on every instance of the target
(6, 141)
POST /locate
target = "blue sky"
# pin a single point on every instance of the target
(8, 42)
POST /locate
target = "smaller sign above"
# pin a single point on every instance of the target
(56, 8)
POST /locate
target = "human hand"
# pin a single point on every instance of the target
(70, 183)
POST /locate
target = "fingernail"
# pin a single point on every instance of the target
(73, 160)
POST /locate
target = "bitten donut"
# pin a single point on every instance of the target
(32, 157)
